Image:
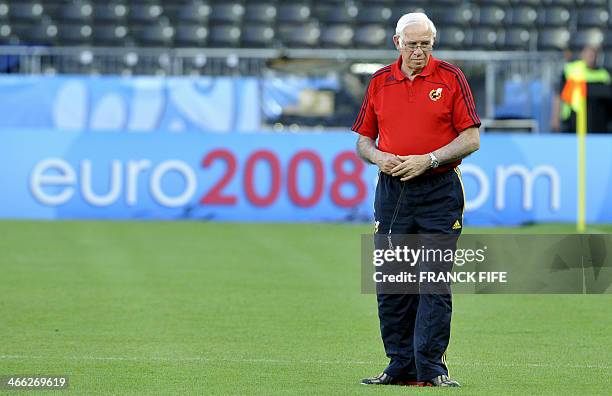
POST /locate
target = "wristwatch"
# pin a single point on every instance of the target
(434, 161)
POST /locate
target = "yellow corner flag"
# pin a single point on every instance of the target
(575, 94)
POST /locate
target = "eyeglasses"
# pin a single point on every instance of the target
(413, 46)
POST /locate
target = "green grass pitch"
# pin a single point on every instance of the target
(217, 308)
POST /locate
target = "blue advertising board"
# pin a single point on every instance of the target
(147, 104)
(57, 174)
(135, 104)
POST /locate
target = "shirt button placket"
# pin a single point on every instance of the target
(410, 90)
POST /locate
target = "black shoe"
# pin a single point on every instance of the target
(386, 379)
(442, 380)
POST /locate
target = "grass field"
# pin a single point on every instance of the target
(208, 308)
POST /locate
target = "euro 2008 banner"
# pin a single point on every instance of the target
(57, 174)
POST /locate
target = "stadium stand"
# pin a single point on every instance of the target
(137, 36)
(508, 24)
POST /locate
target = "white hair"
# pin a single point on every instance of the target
(414, 18)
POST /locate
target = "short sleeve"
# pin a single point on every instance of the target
(464, 108)
(366, 123)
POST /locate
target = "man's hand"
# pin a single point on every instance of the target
(366, 147)
(387, 162)
(411, 166)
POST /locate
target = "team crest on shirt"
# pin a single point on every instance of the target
(435, 94)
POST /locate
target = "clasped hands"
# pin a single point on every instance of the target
(404, 166)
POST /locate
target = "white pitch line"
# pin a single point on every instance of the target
(282, 361)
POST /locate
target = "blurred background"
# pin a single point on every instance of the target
(241, 110)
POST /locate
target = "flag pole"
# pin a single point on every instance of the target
(581, 131)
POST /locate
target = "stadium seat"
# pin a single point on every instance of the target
(74, 34)
(596, 3)
(376, 13)
(516, 39)
(534, 3)
(337, 36)
(523, 16)
(592, 17)
(382, 2)
(110, 13)
(112, 35)
(22, 12)
(491, 16)
(371, 36)
(335, 13)
(39, 34)
(156, 35)
(400, 9)
(299, 35)
(500, 3)
(261, 13)
(452, 38)
(593, 37)
(462, 15)
(257, 36)
(75, 12)
(190, 35)
(226, 35)
(407, 4)
(6, 34)
(195, 12)
(554, 16)
(563, 3)
(226, 13)
(482, 38)
(553, 39)
(9, 39)
(144, 13)
(4, 10)
(440, 3)
(294, 12)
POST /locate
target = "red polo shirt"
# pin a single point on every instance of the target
(418, 116)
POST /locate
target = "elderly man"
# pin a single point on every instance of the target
(417, 121)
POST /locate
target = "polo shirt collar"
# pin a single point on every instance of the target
(427, 70)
